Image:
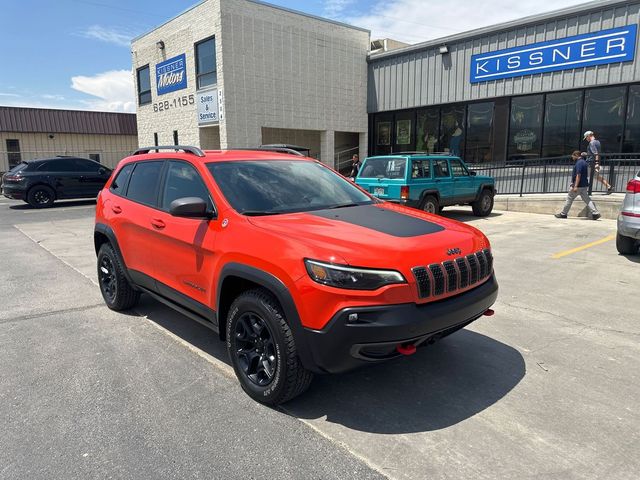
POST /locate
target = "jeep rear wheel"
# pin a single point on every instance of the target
(116, 290)
(484, 204)
(430, 204)
(262, 349)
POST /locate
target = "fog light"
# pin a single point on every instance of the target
(353, 317)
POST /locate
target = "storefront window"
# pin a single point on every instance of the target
(404, 139)
(525, 127)
(427, 130)
(562, 123)
(604, 115)
(632, 131)
(383, 135)
(452, 129)
(479, 132)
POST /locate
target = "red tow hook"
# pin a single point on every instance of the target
(409, 349)
(488, 312)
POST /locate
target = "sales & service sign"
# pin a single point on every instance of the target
(171, 75)
(598, 48)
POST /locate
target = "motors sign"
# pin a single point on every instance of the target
(171, 75)
(599, 48)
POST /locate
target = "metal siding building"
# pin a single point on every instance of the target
(420, 76)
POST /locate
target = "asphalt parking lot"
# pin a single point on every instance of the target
(546, 388)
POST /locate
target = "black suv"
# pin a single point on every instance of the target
(41, 182)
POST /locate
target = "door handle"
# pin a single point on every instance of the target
(156, 222)
(116, 209)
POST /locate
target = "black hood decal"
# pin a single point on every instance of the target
(381, 220)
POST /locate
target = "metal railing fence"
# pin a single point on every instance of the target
(553, 174)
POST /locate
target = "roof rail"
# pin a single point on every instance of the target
(266, 148)
(157, 148)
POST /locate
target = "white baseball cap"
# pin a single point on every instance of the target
(587, 133)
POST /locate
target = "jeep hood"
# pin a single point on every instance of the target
(380, 236)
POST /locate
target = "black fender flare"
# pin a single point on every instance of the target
(281, 292)
(426, 192)
(102, 229)
(486, 186)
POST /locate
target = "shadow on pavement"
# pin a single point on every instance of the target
(441, 385)
(466, 215)
(58, 204)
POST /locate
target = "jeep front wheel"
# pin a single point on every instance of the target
(262, 349)
(430, 204)
(484, 204)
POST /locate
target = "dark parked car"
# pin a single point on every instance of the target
(41, 182)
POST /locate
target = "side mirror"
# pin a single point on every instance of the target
(190, 207)
(473, 173)
(102, 171)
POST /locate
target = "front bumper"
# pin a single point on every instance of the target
(344, 345)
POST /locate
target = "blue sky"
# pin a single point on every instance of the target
(75, 53)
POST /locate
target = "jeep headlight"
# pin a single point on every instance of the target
(343, 276)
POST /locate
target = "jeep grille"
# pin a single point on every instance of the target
(462, 272)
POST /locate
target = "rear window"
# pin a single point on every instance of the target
(119, 184)
(143, 185)
(18, 168)
(392, 168)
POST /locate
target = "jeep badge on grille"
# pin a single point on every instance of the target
(454, 251)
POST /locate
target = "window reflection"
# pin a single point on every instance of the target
(604, 115)
(562, 123)
(428, 130)
(452, 129)
(632, 130)
(479, 132)
(525, 127)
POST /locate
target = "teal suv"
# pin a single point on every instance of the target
(427, 181)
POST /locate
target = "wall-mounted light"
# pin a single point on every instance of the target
(51, 136)
(443, 49)
(160, 45)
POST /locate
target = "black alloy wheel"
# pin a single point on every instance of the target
(107, 279)
(41, 196)
(255, 349)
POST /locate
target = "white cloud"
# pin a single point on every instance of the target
(114, 91)
(48, 96)
(2, 94)
(414, 21)
(334, 8)
(109, 35)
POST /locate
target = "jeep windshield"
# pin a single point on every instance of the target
(284, 186)
(388, 167)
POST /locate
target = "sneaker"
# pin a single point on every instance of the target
(609, 190)
(561, 215)
(595, 216)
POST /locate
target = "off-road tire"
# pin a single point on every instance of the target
(41, 196)
(430, 204)
(290, 378)
(118, 294)
(484, 204)
(626, 245)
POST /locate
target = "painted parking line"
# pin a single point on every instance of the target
(584, 247)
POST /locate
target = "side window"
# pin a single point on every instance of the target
(457, 169)
(86, 166)
(144, 85)
(143, 185)
(206, 63)
(420, 169)
(59, 165)
(183, 181)
(440, 168)
(119, 184)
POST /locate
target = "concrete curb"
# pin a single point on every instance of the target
(608, 205)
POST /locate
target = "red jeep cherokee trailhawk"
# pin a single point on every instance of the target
(298, 269)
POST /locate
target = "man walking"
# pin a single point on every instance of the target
(579, 186)
(355, 167)
(593, 158)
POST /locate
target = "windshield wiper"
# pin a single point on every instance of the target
(258, 213)
(344, 205)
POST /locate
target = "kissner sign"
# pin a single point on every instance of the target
(599, 48)
(171, 75)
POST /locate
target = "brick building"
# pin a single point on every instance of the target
(240, 73)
